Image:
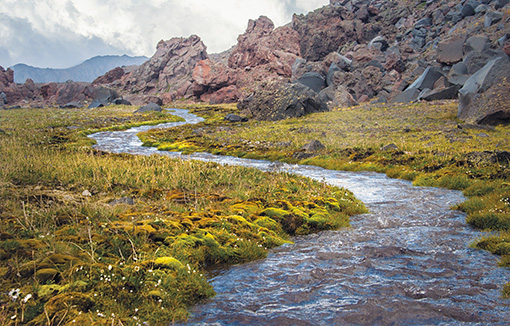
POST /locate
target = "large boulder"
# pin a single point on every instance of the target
(475, 104)
(151, 107)
(427, 79)
(314, 80)
(276, 100)
(337, 97)
(452, 50)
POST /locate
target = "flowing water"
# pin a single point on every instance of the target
(407, 262)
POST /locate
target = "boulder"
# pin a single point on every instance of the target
(448, 93)
(379, 43)
(467, 10)
(149, 107)
(491, 18)
(122, 201)
(313, 146)
(498, 4)
(476, 44)
(452, 50)
(313, 79)
(121, 101)
(104, 95)
(476, 106)
(427, 79)
(337, 97)
(235, 118)
(95, 104)
(275, 100)
(474, 61)
(331, 72)
(71, 105)
(409, 95)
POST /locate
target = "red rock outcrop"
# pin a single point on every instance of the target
(111, 76)
(169, 69)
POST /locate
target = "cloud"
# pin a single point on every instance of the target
(65, 32)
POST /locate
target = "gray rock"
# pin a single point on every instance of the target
(424, 22)
(105, 95)
(390, 147)
(122, 201)
(491, 18)
(121, 101)
(331, 72)
(477, 44)
(498, 4)
(449, 93)
(481, 9)
(409, 95)
(313, 146)
(149, 107)
(467, 10)
(3, 98)
(337, 97)
(95, 104)
(72, 105)
(378, 42)
(452, 50)
(474, 61)
(275, 100)
(502, 40)
(487, 109)
(454, 16)
(427, 79)
(313, 80)
(235, 118)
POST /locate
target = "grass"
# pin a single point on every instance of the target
(68, 255)
(429, 146)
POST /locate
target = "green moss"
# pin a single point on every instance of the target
(167, 262)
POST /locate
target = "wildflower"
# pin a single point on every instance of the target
(137, 268)
(27, 297)
(14, 294)
(110, 267)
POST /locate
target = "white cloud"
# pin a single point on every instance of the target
(32, 28)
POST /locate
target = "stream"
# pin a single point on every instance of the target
(407, 262)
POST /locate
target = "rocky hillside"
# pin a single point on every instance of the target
(84, 72)
(348, 52)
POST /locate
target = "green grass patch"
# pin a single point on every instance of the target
(68, 255)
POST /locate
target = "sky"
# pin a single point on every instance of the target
(64, 33)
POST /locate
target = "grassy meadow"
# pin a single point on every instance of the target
(88, 237)
(421, 142)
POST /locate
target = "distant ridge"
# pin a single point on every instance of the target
(84, 72)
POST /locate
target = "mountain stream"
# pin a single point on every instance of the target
(407, 262)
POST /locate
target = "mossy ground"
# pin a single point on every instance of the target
(68, 256)
(428, 146)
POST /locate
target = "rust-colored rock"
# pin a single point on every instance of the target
(110, 76)
(168, 69)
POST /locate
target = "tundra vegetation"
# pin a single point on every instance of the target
(88, 237)
(420, 142)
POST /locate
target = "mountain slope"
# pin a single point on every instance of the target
(84, 72)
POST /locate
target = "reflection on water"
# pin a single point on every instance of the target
(407, 262)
